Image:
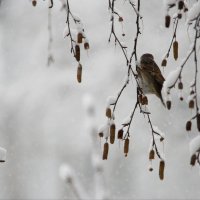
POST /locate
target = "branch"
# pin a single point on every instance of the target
(50, 58)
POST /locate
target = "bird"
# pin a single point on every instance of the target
(150, 77)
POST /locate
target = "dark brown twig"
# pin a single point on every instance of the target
(128, 63)
(51, 4)
(173, 37)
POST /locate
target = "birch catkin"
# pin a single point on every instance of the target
(198, 121)
(164, 63)
(161, 169)
(77, 52)
(167, 21)
(188, 126)
(126, 146)
(108, 112)
(79, 38)
(112, 133)
(175, 50)
(151, 154)
(193, 159)
(34, 2)
(105, 151)
(120, 134)
(79, 73)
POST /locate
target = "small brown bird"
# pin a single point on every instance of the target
(150, 77)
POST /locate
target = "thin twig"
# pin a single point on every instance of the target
(50, 59)
(173, 37)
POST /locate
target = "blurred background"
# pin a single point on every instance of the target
(44, 119)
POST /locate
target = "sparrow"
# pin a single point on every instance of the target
(150, 77)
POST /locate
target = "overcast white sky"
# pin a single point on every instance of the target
(42, 119)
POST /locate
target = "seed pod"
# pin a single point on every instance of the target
(167, 21)
(161, 139)
(79, 73)
(180, 85)
(151, 154)
(108, 112)
(164, 62)
(79, 37)
(120, 19)
(120, 134)
(123, 34)
(144, 100)
(179, 15)
(77, 52)
(198, 121)
(188, 126)
(161, 169)
(168, 103)
(181, 98)
(180, 5)
(86, 46)
(192, 92)
(193, 159)
(150, 169)
(101, 134)
(191, 104)
(126, 146)
(105, 151)
(175, 50)
(112, 133)
(185, 9)
(34, 2)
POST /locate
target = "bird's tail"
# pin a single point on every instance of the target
(161, 98)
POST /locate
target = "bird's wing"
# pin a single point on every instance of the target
(153, 69)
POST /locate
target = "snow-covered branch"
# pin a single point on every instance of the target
(77, 36)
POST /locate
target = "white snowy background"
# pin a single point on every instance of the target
(43, 123)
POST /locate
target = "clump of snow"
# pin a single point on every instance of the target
(2, 154)
(156, 129)
(86, 39)
(145, 109)
(76, 17)
(118, 11)
(171, 80)
(79, 27)
(111, 100)
(102, 128)
(162, 155)
(175, 15)
(195, 145)
(105, 129)
(66, 172)
(192, 83)
(180, 95)
(126, 120)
